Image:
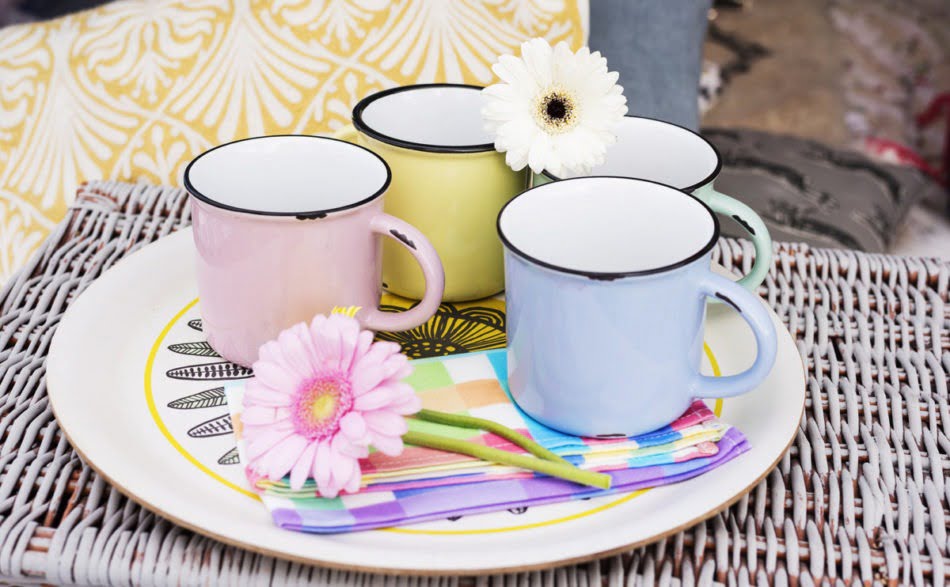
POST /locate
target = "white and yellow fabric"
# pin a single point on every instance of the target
(134, 89)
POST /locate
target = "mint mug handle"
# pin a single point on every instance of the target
(428, 259)
(754, 313)
(758, 233)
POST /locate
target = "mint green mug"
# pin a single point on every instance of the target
(666, 153)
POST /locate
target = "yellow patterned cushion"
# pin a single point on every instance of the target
(133, 90)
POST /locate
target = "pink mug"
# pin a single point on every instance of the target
(286, 228)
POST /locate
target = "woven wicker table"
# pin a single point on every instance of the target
(862, 496)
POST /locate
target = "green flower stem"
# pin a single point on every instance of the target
(503, 457)
(505, 432)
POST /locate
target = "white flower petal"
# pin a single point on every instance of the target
(541, 153)
(510, 109)
(537, 55)
(515, 73)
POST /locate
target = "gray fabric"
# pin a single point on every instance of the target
(860, 497)
(809, 192)
(657, 47)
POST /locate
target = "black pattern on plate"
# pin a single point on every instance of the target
(208, 398)
(451, 331)
(199, 349)
(213, 427)
(230, 458)
(210, 372)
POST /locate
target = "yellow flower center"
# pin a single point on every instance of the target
(324, 406)
(319, 405)
(556, 111)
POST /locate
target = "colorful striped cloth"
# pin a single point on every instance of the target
(424, 484)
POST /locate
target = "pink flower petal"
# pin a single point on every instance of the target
(296, 354)
(396, 366)
(403, 372)
(406, 405)
(260, 440)
(257, 392)
(368, 371)
(365, 377)
(301, 469)
(341, 468)
(269, 352)
(385, 423)
(354, 428)
(375, 399)
(306, 339)
(316, 325)
(326, 343)
(279, 460)
(276, 377)
(388, 445)
(349, 330)
(259, 444)
(353, 485)
(265, 397)
(388, 348)
(349, 448)
(362, 346)
(346, 470)
(329, 491)
(257, 415)
(322, 464)
(403, 390)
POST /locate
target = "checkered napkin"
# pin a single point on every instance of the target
(423, 484)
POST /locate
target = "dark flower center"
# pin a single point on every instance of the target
(556, 108)
(556, 111)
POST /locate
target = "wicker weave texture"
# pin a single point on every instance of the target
(861, 497)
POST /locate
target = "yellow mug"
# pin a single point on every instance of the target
(448, 181)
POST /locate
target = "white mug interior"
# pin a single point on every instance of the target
(287, 175)
(607, 225)
(659, 151)
(440, 116)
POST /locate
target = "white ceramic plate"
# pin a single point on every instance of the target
(110, 383)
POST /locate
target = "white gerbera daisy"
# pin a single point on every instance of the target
(554, 109)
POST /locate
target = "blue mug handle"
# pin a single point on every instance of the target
(755, 315)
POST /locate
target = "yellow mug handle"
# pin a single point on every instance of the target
(346, 133)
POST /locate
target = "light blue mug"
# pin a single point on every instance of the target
(607, 280)
(660, 151)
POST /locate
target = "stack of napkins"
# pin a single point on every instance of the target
(424, 484)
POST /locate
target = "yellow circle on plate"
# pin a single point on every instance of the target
(150, 400)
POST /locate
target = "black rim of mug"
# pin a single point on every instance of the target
(610, 275)
(364, 128)
(303, 215)
(706, 180)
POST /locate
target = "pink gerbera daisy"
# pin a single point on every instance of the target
(320, 397)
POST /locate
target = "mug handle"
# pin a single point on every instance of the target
(428, 259)
(750, 308)
(750, 221)
(346, 133)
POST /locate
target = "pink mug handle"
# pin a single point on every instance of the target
(428, 259)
